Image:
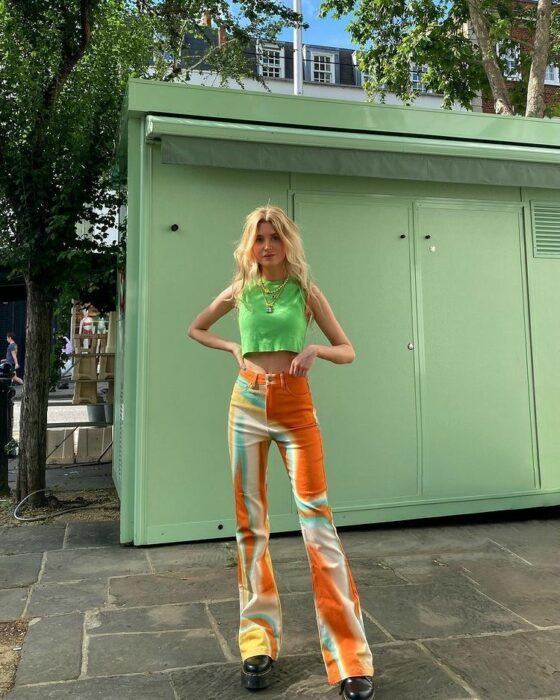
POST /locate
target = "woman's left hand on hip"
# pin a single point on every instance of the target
(303, 362)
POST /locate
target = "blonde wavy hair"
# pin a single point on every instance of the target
(247, 269)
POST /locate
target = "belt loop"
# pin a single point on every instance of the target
(282, 380)
(255, 381)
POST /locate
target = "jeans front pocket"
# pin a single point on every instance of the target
(242, 384)
(296, 386)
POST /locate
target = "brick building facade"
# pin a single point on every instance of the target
(552, 79)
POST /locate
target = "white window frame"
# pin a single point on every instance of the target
(555, 79)
(314, 53)
(418, 85)
(513, 56)
(261, 48)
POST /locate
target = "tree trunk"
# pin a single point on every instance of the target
(34, 404)
(541, 47)
(502, 101)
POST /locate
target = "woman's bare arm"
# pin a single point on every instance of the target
(198, 330)
(341, 350)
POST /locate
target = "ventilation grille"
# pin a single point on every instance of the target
(546, 230)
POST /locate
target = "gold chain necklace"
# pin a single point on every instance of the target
(273, 293)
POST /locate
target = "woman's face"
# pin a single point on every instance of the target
(269, 249)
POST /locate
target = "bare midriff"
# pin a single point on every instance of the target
(270, 362)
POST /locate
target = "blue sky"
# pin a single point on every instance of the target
(328, 32)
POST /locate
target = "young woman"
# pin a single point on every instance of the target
(271, 401)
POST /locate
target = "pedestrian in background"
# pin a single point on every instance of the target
(11, 356)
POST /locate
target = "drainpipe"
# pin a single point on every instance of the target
(298, 54)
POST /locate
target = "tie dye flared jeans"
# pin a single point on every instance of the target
(278, 407)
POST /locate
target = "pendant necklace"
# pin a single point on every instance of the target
(273, 294)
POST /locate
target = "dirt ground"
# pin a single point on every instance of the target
(105, 500)
(13, 633)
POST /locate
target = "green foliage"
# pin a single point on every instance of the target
(64, 67)
(243, 22)
(61, 89)
(11, 448)
(394, 34)
(57, 360)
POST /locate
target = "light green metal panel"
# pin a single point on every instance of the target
(401, 188)
(359, 248)
(186, 140)
(476, 389)
(184, 470)
(127, 341)
(544, 287)
(149, 96)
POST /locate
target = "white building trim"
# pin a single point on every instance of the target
(271, 60)
(323, 66)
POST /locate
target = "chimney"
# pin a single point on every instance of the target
(206, 20)
(221, 36)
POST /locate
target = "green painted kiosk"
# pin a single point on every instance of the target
(436, 238)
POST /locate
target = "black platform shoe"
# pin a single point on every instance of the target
(256, 672)
(357, 688)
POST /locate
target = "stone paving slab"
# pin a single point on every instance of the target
(154, 687)
(294, 677)
(179, 557)
(78, 477)
(153, 619)
(288, 547)
(300, 634)
(12, 603)
(70, 565)
(175, 587)
(530, 591)
(179, 625)
(95, 534)
(519, 530)
(19, 569)
(27, 538)
(62, 597)
(523, 666)
(387, 540)
(151, 652)
(424, 567)
(52, 650)
(405, 672)
(449, 605)
(530, 539)
(295, 576)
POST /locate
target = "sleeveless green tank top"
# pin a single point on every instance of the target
(283, 329)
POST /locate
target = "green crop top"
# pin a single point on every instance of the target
(283, 329)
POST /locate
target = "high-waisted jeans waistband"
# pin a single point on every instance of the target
(268, 378)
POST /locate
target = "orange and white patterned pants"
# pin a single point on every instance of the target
(278, 407)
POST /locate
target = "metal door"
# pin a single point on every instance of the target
(359, 249)
(476, 391)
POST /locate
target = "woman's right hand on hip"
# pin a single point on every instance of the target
(236, 352)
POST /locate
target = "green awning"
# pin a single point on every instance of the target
(238, 145)
(321, 160)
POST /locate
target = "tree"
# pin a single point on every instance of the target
(465, 47)
(64, 66)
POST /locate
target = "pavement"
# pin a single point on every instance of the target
(454, 608)
(74, 477)
(60, 408)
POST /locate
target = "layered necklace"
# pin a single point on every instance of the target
(271, 295)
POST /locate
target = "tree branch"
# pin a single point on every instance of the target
(70, 58)
(497, 82)
(535, 90)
